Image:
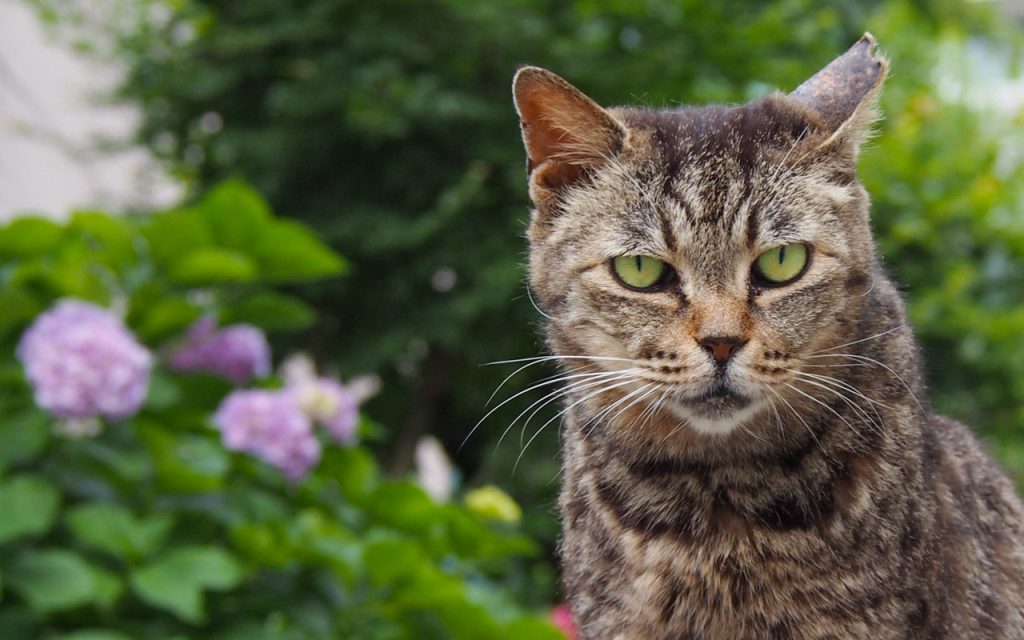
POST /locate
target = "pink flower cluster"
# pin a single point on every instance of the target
(83, 362)
(238, 352)
(277, 426)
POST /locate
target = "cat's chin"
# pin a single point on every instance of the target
(716, 414)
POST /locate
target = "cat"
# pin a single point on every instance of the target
(748, 452)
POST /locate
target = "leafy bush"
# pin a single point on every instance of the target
(148, 527)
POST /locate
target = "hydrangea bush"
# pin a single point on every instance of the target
(159, 481)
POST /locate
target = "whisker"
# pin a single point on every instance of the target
(775, 410)
(529, 294)
(634, 402)
(876, 363)
(581, 385)
(813, 399)
(563, 412)
(555, 380)
(798, 416)
(652, 408)
(876, 425)
(841, 384)
(847, 344)
(545, 358)
(606, 410)
(593, 422)
(860, 410)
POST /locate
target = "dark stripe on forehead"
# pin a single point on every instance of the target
(668, 230)
(752, 211)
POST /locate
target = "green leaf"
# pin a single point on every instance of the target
(92, 634)
(533, 628)
(353, 468)
(115, 530)
(107, 588)
(236, 215)
(19, 308)
(56, 580)
(403, 505)
(177, 580)
(164, 392)
(29, 236)
(392, 560)
(110, 237)
(271, 312)
(18, 622)
(212, 266)
(167, 317)
(290, 251)
(24, 436)
(28, 506)
(184, 462)
(262, 544)
(174, 234)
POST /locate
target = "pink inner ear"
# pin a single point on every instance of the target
(563, 130)
(544, 119)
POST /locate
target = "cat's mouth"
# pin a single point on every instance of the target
(719, 401)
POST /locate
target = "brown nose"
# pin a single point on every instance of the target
(722, 348)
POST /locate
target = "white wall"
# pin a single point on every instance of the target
(51, 118)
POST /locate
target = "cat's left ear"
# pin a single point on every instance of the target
(843, 95)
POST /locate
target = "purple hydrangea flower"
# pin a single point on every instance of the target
(83, 362)
(238, 352)
(332, 405)
(271, 426)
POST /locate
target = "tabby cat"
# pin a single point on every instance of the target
(748, 452)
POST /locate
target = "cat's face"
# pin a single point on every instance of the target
(692, 262)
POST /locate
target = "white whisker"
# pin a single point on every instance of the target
(847, 344)
(555, 380)
(563, 412)
(876, 363)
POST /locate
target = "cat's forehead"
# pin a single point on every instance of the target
(717, 174)
(718, 139)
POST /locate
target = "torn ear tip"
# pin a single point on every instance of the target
(870, 49)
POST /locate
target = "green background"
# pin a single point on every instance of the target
(387, 126)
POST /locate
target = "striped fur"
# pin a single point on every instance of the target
(832, 503)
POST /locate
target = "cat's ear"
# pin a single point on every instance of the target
(842, 96)
(564, 131)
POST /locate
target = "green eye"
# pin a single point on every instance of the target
(639, 272)
(781, 264)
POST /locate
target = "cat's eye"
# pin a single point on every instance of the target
(641, 272)
(781, 265)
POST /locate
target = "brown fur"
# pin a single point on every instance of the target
(833, 504)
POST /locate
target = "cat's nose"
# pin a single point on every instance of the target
(722, 348)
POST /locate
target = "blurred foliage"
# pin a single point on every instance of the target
(388, 126)
(152, 530)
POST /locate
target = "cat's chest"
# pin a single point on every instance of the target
(731, 588)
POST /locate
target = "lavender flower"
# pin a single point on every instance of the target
(238, 352)
(83, 362)
(272, 427)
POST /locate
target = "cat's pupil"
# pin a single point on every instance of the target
(639, 263)
(782, 255)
